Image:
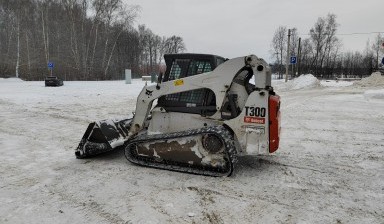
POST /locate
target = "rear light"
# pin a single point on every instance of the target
(274, 123)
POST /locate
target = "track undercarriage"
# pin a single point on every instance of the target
(207, 151)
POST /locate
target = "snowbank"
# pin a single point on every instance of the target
(375, 80)
(302, 82)
(13, 79)
(374, 94)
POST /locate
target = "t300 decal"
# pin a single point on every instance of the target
(255, 115)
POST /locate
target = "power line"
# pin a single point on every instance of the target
(359, 33)
(348, 34)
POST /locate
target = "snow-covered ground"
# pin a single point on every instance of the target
(329, 168)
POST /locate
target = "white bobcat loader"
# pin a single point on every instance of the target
(209, 111)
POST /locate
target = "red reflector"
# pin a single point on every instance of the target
(274, 120)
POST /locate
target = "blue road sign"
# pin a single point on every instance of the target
(382, 61)
(50, 64)
(293, 59)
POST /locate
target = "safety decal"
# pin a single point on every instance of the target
(178, 82)
(256, 120)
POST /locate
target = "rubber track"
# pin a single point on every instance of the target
(220, 131)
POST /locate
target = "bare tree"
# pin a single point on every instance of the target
(369, 58)
(331, 41)
(153, 49)
(320, 53)
(174, 44)
(122, 22)
(294, 41)
(279, 44)
(87, 39)
(18, 30)
(377, 47)
(306, 55)
(7, 34)
(317, 35)
(324, 41)
(161, 49)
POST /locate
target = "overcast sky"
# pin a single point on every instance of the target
(233, 28)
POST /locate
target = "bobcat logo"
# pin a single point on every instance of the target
(148, 92)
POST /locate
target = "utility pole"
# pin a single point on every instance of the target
(288, 61)
(377, 52)
(298, 57)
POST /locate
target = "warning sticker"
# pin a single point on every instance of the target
(256, 120)
(178, 82)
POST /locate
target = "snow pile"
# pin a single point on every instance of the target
(374, 94)
(12, 79)
(376, 79)
(302, 82)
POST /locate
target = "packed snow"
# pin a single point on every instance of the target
(374, 94)
(302, 82)
(374, 80)
(329, 167)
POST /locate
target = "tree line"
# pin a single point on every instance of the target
(320, 53)
(84, 39)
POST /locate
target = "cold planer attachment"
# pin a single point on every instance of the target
(209, 111)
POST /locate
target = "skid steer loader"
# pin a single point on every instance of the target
(209, 110)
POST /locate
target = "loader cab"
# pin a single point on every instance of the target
(199, 101)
